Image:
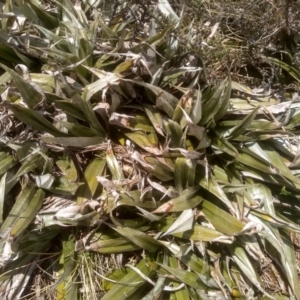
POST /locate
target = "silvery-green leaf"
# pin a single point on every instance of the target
(183, 223)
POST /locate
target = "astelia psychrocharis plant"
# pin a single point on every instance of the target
(122, 177)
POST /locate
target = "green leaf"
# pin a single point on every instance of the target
(78, 130)
(70, 108)
(106, 245)
(197, 233)
(2, 195)
(139, 238)
(221, 220)
(175, 133)
(24, 210)
(105, 81)
(153, 40)
(188, 199)
(33, 119)
(64, 186)
(155, 118)
(29, 212)
(30, 163)
(187, 257)
(291, 70)
(155, 167)
(94, 169)
(182, 294)
(94, 122)
(213, 187)
(67, 289)
(163, 100)
(60, 42)
(47, 19)
(182, 224)
(180, 174)
(29, 94)
(78, 142)
(132, 198)
(113, 165)
(213, 105)
(189, 278)
(184, 174)
(122, 293)
(7, 163)
(196, 113)
(143, 140)
(111, 36)
(221, 144)
(225, 100)
(242, 126)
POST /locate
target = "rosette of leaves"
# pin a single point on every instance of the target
(123, 177)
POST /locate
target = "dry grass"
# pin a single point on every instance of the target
(296, 240)
(246, 33)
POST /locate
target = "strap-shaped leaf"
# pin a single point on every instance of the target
(242, 126)
(181, 294)
(121, 292)
(213, 104)
(190, 278)
(113, 165)
(175, 133)
(77, 142)
(29, 213)
(155, 118)
(47, 19)
(221, 220)
(94, 169)
(189, 198)
(2, 194)
(17, 209)
(7, 163)
(183, 223)
(29, 93)
(137, 237)
(187, 257)
(33, 119)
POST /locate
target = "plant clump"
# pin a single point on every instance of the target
(136, 165)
